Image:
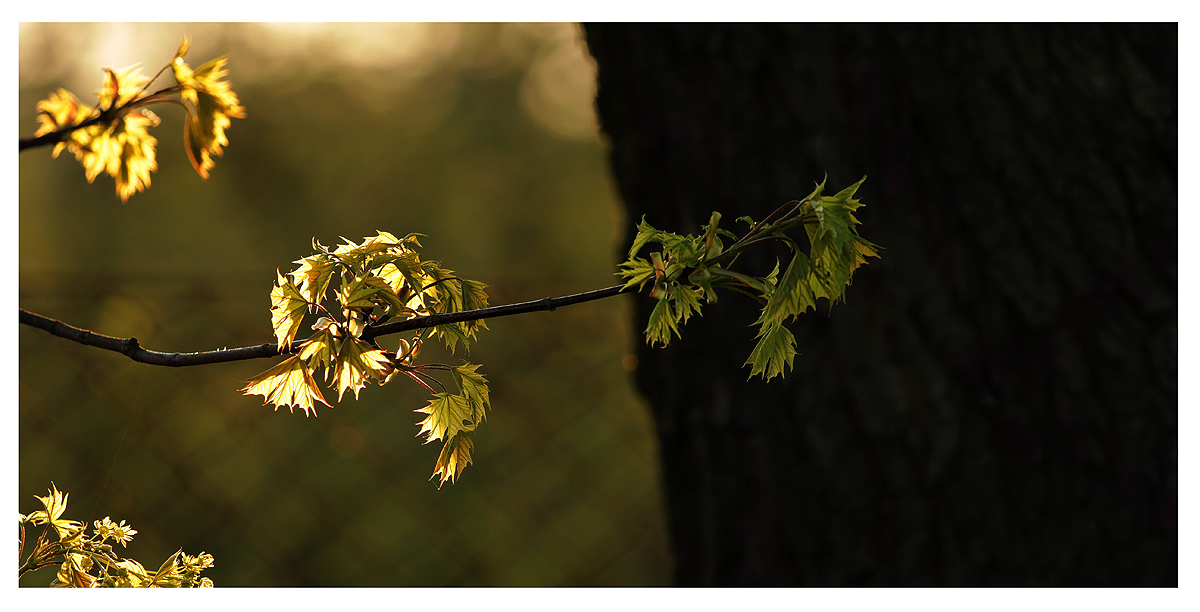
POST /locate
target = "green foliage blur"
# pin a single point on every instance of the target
(480, 136)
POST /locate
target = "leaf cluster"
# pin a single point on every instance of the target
(112, 137)
(355, 288)
(89, 560)
(687, 270)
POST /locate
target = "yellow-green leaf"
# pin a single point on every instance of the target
(457, 295)
(210, 103)
(358, 293)
(637, 270)
(55, 503)
(122, 86)
(474, 387)
(774, 352)
(73, 572)
(136, 158)
(287, 310)
(661, 324)
(319, 350)
(314, 275)
(357, 360)
(793, 294)
(290, 383)
(455, 456)
(447, 414)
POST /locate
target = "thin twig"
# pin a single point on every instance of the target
(104, 115)
(130, 347)
(60, 134)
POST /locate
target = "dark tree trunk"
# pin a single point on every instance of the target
(996, 401)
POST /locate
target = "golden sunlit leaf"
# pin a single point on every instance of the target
(289, 384)
(120, 148)
(455, 456)
(55, 503)
(475, 388)
(407, 281)
(74, 572)
(457, 295)
(92, 561)
(356, 360)
(122, 86)
(446, 415)
(135, 576)
(62, 109)
(314, 275)
(319, 349)
(136, 157)
(366, 292)
(287, 310)
(210, 103)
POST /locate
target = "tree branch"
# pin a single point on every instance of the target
(104, 115)
(60, 134)
(130, 347)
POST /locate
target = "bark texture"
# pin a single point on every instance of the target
(996, 401)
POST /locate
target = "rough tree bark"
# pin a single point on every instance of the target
(996, 401)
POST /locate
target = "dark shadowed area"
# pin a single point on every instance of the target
(483, 138)
(996, 402)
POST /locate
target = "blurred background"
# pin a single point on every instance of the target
(484, 138)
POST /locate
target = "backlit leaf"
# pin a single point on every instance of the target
(287, 309)
(457, 295)
(637, 270)
(447, 414)
(661, 324)
(313, 276)
(356, 361)
(289, 384)
(686, 303)
(55, 503)
(837, 249)
(455, 456)
(364, 292)
(474, 387)
(319, 350)
(136, 158)
(774, 352)
(121, 86)
(645, 234)
(74, 572)
(120, 147)
(62, 109)
(210, 103)
(793, 294)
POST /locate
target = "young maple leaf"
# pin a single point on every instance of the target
(55, 504)
(135, 154)
(774, 352)
(474, 388)
(210, 103)
(455, 456)
(313, 276)
(74, 572)
(356, 360)
(120, 148)
(289, 384)
(121, 86)
(60, 110)
(446, 415)
(287, 309)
